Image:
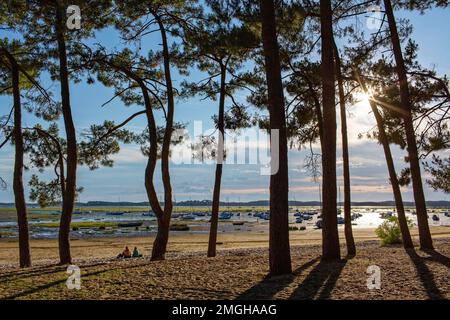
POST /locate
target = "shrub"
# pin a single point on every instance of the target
(389, 231)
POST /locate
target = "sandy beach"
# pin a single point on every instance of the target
(242, 274)
(46, 251)
(243, 264)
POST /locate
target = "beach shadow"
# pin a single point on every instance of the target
(270, 286)
(62, 281)
(426, 276)
(39, 271)
(48, 286)
(36, 271)
(439, 257)
(320, 282)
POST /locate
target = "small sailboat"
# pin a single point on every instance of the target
(265, 216)
(356, 216)
(225, 216)
(118, 213)
(130, 225)
(386, 215)
(319, 224)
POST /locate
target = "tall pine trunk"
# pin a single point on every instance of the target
(19, 193)
(69, 195)
(330, 237)
(279, 249)
(158, 252)
(382, 138)
(219, 158)
(162, 237)
(349, 240)
(419, 198)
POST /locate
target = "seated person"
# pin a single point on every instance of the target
(136, 253)
(125, 254)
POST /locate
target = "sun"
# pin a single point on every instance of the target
(364, 97)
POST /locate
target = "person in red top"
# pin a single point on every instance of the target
(125, 254)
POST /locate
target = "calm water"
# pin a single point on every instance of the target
(370, 218)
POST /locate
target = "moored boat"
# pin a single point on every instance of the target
(319, 224)
(115, 213)
(129, 224)
(225, 216)
(148, 214)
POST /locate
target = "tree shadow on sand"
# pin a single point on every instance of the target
(438, 257)
(39, 271)
(270, 286)
(426, 276)
(320, 282)
(58, 282)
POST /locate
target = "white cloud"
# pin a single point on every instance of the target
(129, 155)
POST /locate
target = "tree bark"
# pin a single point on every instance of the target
(19, 193)
(219, 158)
(426, 241)
(69, 195)
(349, 240)
(382, 138)
(279, 249)
(152, 196)
(160, 244)
(330, 238)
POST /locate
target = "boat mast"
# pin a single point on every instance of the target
(339, 191)
(320, 197)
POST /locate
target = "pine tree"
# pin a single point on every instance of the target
(330, 238)
(279, 248)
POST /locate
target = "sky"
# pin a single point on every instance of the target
(240, 182)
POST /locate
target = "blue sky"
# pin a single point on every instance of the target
(125, 181)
